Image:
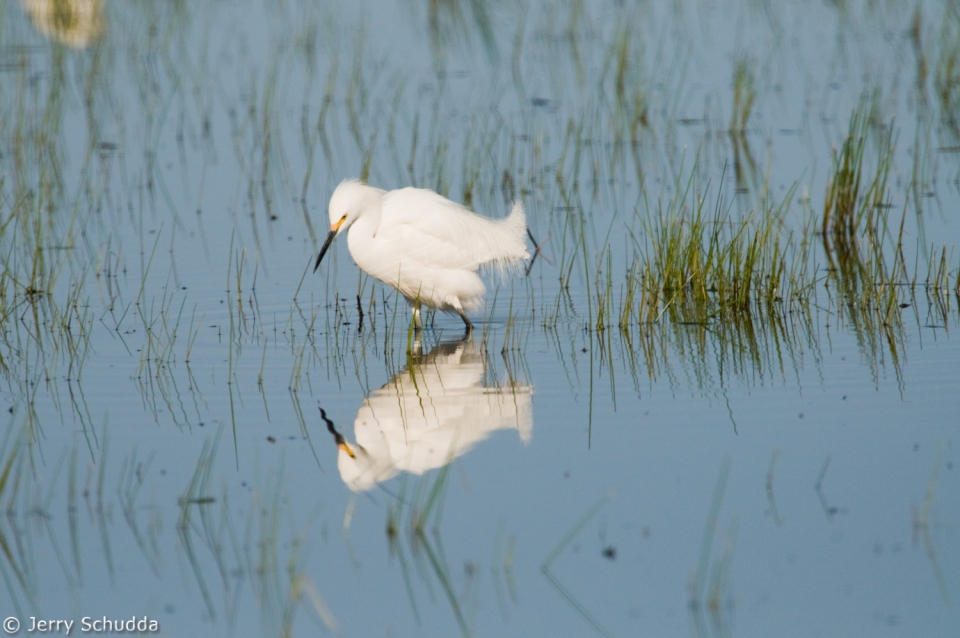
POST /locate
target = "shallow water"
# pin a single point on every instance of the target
(166, 350)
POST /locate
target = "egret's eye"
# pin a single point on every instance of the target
(344, 217)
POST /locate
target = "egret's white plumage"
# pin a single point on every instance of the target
(424, 245)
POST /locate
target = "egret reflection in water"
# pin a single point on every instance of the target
(434, 410)
(75, 23)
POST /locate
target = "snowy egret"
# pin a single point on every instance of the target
(424, 245)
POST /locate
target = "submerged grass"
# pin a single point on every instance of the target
(427, 557)
(706, 283)
(710, 599)
(873, 286)
(547, 564)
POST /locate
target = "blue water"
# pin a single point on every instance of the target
(799, 479)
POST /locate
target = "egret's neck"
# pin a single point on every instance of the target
(370, 207)
(363, 231)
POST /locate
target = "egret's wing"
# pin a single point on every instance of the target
(437, 232)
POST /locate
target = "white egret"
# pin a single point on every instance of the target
(424, 245)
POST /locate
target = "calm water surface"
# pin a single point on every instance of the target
(166, 350)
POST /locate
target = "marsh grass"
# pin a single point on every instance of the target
(744, 96)
(133, 473)
(46, 320)
(921, 525)
(692, 261)
(43, 525)
(873, 286)
(547, 565)
(264, 549)
(710, 597)
(695, 265)
(946, 79)
(653, 273)
(452, 22)
(427, 558)
(16, 565)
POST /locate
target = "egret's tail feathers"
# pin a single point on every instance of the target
(510, 249)
(516, 221)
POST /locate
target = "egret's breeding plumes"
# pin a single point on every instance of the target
(424, 245)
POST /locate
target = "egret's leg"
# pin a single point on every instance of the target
(416, 317)
(465, 320)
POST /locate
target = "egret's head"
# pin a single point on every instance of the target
(347, 203)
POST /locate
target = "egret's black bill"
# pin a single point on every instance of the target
(323, 250)
(341, 442)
